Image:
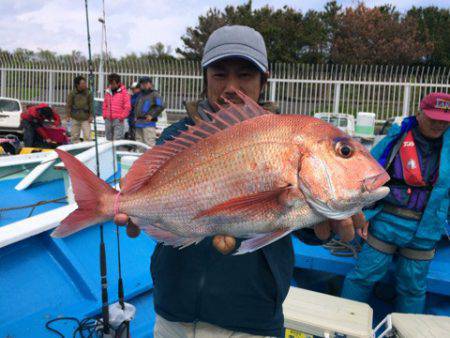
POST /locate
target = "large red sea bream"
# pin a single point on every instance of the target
(248, 173)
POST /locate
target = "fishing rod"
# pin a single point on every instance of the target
(120, 281)
(103, 278)
(127, 309)
(120, 289)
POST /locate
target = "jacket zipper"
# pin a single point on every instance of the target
(199, 296)
(201, 285)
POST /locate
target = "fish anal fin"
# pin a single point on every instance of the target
(261, 240)
(250, 204)
(169, 238)
(153, 159)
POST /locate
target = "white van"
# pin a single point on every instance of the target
(10, 110)
(344, 122)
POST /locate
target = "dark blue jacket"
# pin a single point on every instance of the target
(132, 116)
(240, 293)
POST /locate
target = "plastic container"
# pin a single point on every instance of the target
(365, 125)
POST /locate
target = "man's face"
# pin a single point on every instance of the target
(146, 86)
(136, 90)
(114, 85)
(82, 85)
(225, 76)
(431, 128)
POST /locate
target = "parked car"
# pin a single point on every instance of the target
(344, 122)
(10, 110)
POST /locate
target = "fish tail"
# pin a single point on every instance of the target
(95, 198)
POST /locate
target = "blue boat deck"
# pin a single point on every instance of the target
(317, 262)
(320, 259)
(43, 278)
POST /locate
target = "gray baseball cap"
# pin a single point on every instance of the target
(236, 41)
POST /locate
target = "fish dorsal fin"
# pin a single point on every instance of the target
(151, 161)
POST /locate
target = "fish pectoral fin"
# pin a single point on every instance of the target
(169, 238)
(248, 205)
(260, 240)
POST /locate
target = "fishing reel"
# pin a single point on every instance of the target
(118, 326)
(120, 316)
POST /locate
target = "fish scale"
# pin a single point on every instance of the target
(227, 183)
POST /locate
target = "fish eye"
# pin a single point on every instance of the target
(344, 150)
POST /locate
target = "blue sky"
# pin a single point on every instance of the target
(132, 25)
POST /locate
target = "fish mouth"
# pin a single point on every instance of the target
(374, 182)
(343, 209)
(372, 190)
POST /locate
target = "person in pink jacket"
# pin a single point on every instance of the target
(116, 108)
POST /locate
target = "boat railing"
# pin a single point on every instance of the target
(20, 230)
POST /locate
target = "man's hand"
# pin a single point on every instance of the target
(363, 232)
(344, 228)
(224, 244)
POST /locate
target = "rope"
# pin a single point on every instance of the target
(89, 327)
(343, 249)
(43, 202)
(34, 205)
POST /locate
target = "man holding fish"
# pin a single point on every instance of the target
(232, 175)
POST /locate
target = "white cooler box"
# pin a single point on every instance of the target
(405, 325)
(309, 314)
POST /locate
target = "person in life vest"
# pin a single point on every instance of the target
(41, 127)
(135, 90)
(411, 219)
(149, 105)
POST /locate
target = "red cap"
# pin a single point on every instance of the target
(436, 106)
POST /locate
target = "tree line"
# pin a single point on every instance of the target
(352, 35)
(336, 35)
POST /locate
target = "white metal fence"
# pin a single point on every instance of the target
(296, 88)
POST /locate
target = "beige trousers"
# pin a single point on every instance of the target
(166, 329)
(77, 127)
(146, 135)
